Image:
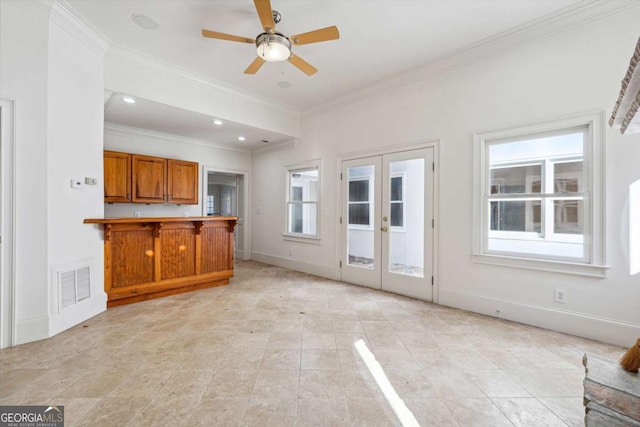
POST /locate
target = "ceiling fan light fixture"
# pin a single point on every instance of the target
(273, 47)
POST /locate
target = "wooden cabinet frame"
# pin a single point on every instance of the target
(147, 258)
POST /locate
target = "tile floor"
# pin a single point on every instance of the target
(275, 348)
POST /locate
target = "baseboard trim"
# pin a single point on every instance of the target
(292, 264)
(31, 329)
(583, 325)
(77, 314)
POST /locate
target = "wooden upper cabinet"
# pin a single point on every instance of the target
(182, 182)
(148, 179)
(117, 177)
(134, 178)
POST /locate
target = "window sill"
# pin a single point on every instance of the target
(575, 268)
(312, 240)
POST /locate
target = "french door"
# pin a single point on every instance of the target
(387, 222)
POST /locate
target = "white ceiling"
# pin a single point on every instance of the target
(379, 39)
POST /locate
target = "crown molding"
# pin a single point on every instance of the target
(565, 19)
(61, 14)
(245, 96)
(69, 20)
(39, 7)
(130, 130)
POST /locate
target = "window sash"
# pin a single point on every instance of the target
(302, 205)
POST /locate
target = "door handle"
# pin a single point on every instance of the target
(385, 229)
(384, 218)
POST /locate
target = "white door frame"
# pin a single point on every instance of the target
(436, 200)
(244, 218)
(7, 215)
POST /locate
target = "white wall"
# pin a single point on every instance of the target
(172, 147)
(570, 72)
(74, 149)
(55, 78)
(23, 79)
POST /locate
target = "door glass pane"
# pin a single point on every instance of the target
(360, 216)
(406, 226)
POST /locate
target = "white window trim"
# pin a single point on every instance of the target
(300, 237)
(594, 161)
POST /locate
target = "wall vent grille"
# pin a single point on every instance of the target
(74, 286)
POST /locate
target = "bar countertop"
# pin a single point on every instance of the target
(147, 220)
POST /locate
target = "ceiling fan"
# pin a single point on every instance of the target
(276, 47)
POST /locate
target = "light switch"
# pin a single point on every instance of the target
(90, 181)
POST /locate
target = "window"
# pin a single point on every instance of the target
(539, 196)
(211, 203)
(397, 201)
(303, 191)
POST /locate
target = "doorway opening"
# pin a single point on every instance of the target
(226, 193)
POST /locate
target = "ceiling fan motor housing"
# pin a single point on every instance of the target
(274, 47)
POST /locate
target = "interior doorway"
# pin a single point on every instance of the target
(226, 193)
(7, 206)
(388, 222)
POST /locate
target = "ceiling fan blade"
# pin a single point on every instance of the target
(322, 35)
(223, 36)
(255, 66)
(266, 15)
(302, 65)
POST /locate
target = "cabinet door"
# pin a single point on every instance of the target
(117, 177)
(182, 182)
(148, 179)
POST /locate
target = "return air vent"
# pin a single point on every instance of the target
(74, 286)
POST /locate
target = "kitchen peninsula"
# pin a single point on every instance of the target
(147, 258)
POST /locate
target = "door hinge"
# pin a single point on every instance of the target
(431, 280)
(433, 223)
(340, 176)
(340, 263)
(340, 220)
(433, 166)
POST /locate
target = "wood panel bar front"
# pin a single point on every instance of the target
(147, 258)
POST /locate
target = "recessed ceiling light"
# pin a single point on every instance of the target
(217, 122)
(144, 21)
(128, 100)
(284, 84)
(241, 138)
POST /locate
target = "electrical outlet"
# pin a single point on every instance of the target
(185, 213)
(560, 296)
(136, 214)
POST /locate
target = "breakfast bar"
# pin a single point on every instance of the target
(147, 258)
